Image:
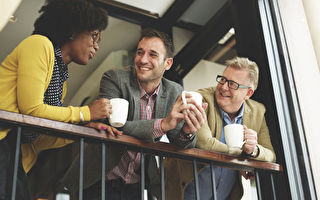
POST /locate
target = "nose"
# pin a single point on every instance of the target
(144, 58)
(96, 46)
(224, 86)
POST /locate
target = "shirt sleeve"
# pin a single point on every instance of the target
(157, 131)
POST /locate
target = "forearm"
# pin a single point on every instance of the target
(266, 154)
(141, 129)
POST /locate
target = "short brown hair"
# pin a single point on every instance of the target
(248, 65)
(167, 41)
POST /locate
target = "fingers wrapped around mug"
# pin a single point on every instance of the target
(119, 114)
(100, 109)
(195, 117)
(251, 140)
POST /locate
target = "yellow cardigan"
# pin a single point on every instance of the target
(24, 77)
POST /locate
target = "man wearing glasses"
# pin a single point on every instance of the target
(228, 103)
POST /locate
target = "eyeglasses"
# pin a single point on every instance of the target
(96, 37)
(231, 84)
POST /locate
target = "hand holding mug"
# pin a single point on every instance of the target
(100, 109)
(182, 110)
(195, 115)
(194, 97)
(234, 135)
(251, 140)
(119, 113)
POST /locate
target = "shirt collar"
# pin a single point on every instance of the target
(58, 55)
(238, 118)
(63, 67)
(143, 93)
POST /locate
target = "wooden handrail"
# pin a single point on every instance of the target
(160, 148)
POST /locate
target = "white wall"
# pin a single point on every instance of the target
(90, 88)
(306, 75)
(180, 38)
(312, 8)
(7, 8)
(202, 75)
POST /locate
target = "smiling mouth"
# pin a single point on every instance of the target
(144, 68)
(223, 95)
(91, 55)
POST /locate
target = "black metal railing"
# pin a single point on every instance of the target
(160, 149)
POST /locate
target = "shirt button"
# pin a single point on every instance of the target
(148, 107)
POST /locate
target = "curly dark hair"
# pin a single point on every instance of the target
(167, 41)
(60, 19)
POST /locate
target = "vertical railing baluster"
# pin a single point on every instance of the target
(258, 185)
(196, 179)
(213, 182)
(142, 176)
(81, 168)
(103, 171)
(162, 178)
(273, 188)
(16, 164)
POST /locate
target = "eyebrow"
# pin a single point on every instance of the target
(153, 51)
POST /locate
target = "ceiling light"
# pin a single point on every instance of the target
(227, 36)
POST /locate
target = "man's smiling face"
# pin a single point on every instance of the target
(231, 100)
(150, 60)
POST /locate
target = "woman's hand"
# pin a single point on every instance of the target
(104, 127)
(100, 109)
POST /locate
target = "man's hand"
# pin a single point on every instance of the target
(193, 114)
(175, 116)
(100, 109)
(103, 127)
(195, 117)
(251, 140)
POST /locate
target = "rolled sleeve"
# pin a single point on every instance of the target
(157, 131)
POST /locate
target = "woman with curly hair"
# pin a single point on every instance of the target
(33, 81)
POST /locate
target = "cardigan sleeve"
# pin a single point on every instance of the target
(33, 77)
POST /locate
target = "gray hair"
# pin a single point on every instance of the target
(241, 63)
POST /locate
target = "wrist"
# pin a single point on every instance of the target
(255, 152)
(164, 125)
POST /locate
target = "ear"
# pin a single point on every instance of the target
(249, 94)
(168, 63)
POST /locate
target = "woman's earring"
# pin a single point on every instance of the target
(71, 37)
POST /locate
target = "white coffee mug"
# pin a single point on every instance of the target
(196, 96)
(119, 112)
(233, 134)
